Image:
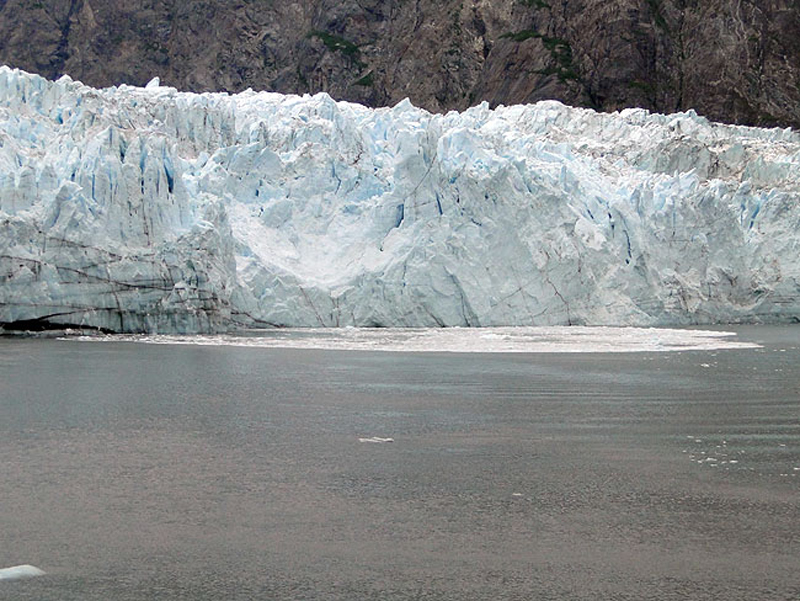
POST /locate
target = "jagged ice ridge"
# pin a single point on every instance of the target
(147, 209)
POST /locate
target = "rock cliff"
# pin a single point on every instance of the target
(731, 60)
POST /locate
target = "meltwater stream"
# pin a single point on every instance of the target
(200, 472)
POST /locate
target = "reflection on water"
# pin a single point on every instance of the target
(187, 471)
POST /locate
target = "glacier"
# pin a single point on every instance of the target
(152, 210)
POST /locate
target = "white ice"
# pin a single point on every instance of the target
(554, 339)
(150, 210)
(22, 571)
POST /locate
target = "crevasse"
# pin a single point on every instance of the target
(147, 209)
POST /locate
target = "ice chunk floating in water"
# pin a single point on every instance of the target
(17, 572)
(147, 209)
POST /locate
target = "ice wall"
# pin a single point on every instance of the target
(146, 209)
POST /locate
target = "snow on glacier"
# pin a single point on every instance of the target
(151, 210)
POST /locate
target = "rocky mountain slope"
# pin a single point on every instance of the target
(147, 209)
(730, 60)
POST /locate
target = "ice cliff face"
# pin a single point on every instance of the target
(146, 209)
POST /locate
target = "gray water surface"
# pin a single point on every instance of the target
(143, 472)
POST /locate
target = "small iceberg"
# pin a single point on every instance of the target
(23, 571)
(376, 439)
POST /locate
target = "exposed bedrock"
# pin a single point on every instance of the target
(731, 60)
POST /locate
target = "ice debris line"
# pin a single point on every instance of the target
(151, 210)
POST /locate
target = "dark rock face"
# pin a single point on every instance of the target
(731, 60)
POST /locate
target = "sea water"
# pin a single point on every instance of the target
(201, 470)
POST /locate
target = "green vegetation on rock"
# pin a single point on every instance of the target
(658, 16)
(367, 81)
(339, 44)
(560, 51)
(336, 43)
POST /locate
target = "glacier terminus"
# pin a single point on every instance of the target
(151, 210)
